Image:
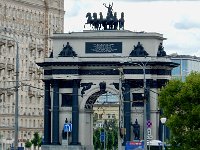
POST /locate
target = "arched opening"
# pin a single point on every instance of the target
(104, 109)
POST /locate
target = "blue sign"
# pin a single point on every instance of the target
(102, 136)
(19, 148)
(134, 145)
(103, 47)
(67, 127)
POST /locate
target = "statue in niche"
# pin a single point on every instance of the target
(161, 51)
(136, 130)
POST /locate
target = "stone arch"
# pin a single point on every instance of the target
(93, 94)
(86, 113)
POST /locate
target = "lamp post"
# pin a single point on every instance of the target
(104, 142)
(16, 91)
(143, 66)
(163, 120)
(121, 119)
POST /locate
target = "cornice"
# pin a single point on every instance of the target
(36, 4)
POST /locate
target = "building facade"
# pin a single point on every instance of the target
(187, 65)
(28, 23)
(102, 112)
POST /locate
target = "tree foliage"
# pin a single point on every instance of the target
(111, 135)
(96, 140)
(180, 102)
(37, 140)
(28, 144)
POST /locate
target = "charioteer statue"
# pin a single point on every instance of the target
(109, 14)
(109, 23)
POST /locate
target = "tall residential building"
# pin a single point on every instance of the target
(187, 65)
(31, 23)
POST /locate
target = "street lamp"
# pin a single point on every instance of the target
(143, 66)
(16, 90)
(121, 119)
(163, 120)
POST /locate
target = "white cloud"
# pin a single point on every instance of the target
(178, 21)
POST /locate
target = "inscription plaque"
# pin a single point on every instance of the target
(103, 47)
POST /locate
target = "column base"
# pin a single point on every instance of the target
(65, 142)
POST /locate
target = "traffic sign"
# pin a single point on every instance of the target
(149, 137)
(148, 131)
(149, 124)
(102, 136)
(67, 127)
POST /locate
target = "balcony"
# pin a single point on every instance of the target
(2, 65)
(40, 94)
(31, 69)
(40, 47)
(10, 43)
(10, 66)
(32, 46)
(31, 92)
(10, 92)
(2, 91)
(2, 42)
(39, 71)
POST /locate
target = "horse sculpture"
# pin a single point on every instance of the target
(121, 21)
(89, 20)
(115, 21)
(102, 22)
(109, 23)
(95, 22)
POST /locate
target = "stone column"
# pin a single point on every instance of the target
(47, 114)
(160, 127)
(127, 112)
(148, 102)
(75, 113)
(55, 119)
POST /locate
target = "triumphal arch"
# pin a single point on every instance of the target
(85, 65)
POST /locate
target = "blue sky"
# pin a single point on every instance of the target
(178, 20)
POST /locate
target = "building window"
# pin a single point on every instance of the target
(100, 116)
(138, 99)
(113, 116)
(176, 71)
(66, 100)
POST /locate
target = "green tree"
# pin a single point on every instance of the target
(110, 139)
(111, 136)
(112, 132)
(28, 144)
(37, 140)
(96, 138)
(180, 102)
